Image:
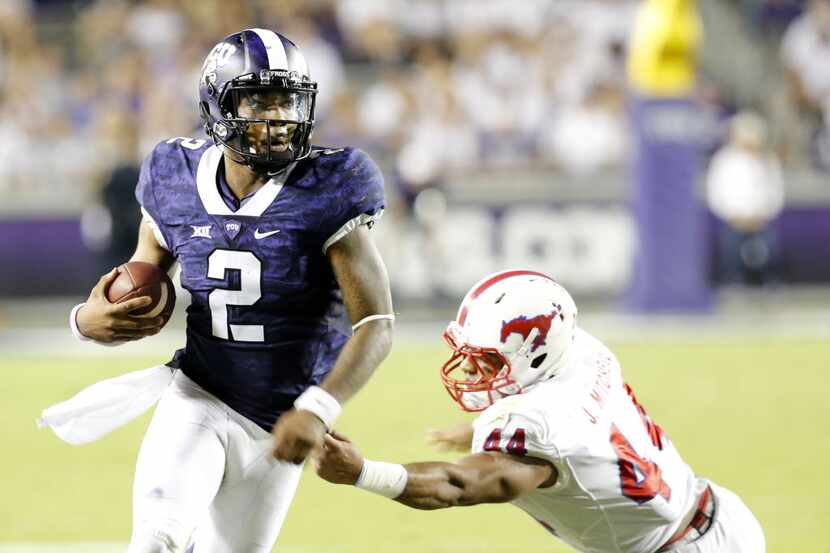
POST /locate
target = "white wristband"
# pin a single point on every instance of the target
(73, 325)
(321, 403)
(386, 479)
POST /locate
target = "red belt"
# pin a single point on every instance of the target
(701, 521)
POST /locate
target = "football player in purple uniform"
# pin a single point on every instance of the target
(291, 310)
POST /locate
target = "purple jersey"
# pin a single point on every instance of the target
(266, 319)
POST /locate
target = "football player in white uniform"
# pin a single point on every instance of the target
(561, 436)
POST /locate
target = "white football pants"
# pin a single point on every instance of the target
(205, 474)
(734, 530)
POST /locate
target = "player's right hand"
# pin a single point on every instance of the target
(108, 322)
(338, 461)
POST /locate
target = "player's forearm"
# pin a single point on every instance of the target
(362, 354)
(430, 486)
(149, 250)
(436, 485)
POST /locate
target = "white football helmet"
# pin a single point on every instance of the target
(513, 329)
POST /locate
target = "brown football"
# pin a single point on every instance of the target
(136, 279)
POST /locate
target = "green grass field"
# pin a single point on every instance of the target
(753, 416)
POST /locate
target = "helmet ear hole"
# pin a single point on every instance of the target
(537, 361)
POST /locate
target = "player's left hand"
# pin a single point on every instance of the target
(338, 461)
(454, 438)
(296, 433)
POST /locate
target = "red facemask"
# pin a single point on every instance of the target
(476, 392)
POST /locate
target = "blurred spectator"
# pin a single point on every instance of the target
(745, 191)
(370, 31)
(526, 18)
(584, 130)
(714, 111)
(462, 84)
(324, 62)
(458, 84)
(156, 26)
(109, 225)
(595, 35)
(805, 52)
(588, 136)
(772, 17)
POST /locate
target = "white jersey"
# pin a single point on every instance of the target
(621, 484)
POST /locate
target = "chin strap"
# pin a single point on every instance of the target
(275, 172)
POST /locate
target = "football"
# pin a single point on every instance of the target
(137, 278)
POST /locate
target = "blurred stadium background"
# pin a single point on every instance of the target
(667, 160)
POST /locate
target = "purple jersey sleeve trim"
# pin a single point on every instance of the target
(155, 228)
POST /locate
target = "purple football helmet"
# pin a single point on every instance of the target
(256, 67)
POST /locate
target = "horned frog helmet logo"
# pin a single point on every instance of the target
(215, 60)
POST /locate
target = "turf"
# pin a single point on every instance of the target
(753, 416)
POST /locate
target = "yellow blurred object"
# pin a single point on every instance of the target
(663, 53)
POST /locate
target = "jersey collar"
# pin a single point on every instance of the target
(208, 189)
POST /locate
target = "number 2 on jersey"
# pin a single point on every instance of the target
(250, 290)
